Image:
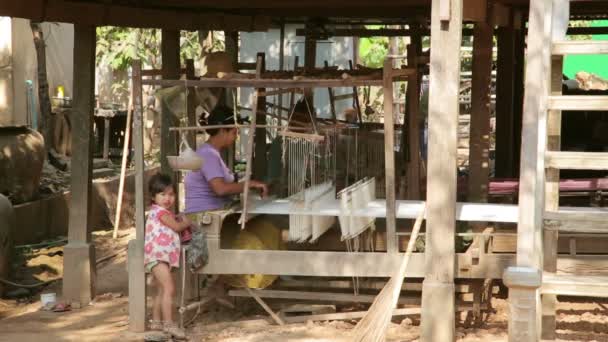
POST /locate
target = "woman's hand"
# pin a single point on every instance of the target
(263, 187)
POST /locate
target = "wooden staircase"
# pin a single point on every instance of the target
(568, 219)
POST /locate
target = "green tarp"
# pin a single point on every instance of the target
(596, 64)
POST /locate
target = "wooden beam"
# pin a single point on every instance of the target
(551, 237)
(575, 285)
(274, 83)
(438, 311)
(579, 102)
(479, 145)
(253, 293)
(137, 275)
(389, 157)
(318, 296)
(259, 157)
(170, 71)
(413, 124)
(191, 103)
(505, 105)
(532, 170)
(345, 264)
(580, 47)
(346, 315)
(79, 254)
(577, 160)
(581, 214)
(310, 62)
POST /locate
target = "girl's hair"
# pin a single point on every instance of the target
(220, 115)
(158, 183)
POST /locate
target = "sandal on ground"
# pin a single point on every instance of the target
(175, 331)
(155, 325)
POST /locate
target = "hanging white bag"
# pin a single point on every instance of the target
(187, 160)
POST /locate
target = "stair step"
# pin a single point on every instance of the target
(575, 285)
(576, 160)
(578, 102)
(577, 220)
(580, 47)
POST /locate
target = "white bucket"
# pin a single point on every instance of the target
(47, 298)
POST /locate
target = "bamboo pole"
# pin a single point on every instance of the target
(123, 165)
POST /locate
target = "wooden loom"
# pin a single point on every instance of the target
(378, 263)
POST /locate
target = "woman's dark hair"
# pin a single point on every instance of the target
(158, 183)
(220, 115)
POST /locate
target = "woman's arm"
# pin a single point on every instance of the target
(221, 188)
(171, 222)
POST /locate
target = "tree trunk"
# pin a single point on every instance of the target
(43, 95)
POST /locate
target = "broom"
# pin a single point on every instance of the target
(372, 327)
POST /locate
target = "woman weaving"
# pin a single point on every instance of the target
(211, 187)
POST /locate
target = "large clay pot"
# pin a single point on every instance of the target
(22, 156)
(7, 222)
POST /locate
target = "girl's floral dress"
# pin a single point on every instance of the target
(162, 244)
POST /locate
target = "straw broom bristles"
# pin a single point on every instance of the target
(372, 327)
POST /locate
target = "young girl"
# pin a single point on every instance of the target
(162, 251)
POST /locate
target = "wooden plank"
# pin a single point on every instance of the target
(346, 315)
(438, 311)
(580, 47)
(579, 102)
(582, 226)
(389, 158)
(318, 296)
(578, 214)
(344, 264)
(482, 212)
(348, 96)
(551, 237)
(583, 265)
(137, 275)
(577, 160)
(254, 294)
(575, 285)
(270, 83)
(363, 284)
(479, 145)
(170, 70)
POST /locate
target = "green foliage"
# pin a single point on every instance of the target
(119, 46)
(373, 51)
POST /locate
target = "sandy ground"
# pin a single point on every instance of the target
(106, 319)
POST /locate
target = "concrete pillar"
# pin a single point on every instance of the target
(524, 310)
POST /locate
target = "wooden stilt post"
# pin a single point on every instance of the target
(232, 49)
(554, 123)
(509, 95)
(525, 318)
(310, 62)
(79, 254)
(389, 157)
(170, 70)
(438, 299)
(413, 126)
(505, 87)
(137, 275)
(479, 155)
(259, 157)
(191, 102)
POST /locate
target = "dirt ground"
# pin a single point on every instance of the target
(106, 318)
